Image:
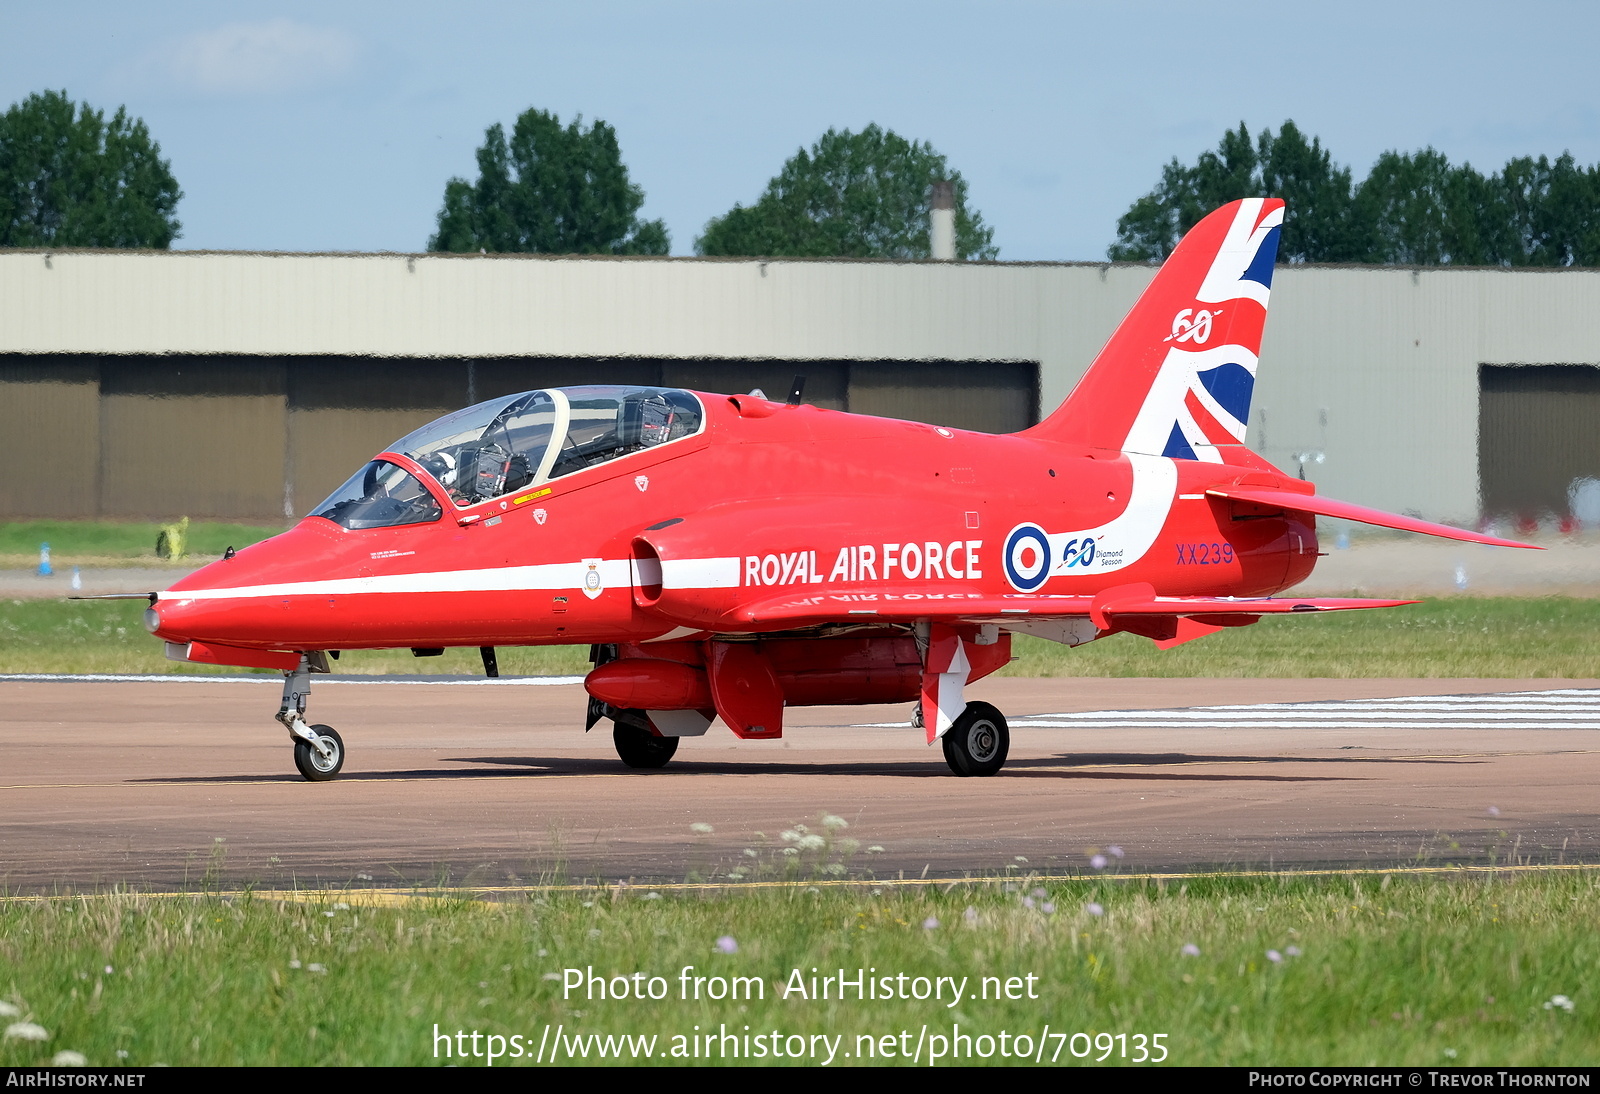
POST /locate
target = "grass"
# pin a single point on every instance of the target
(1457, 637)
(1510, 637)
(1391, 970)
(110, 543)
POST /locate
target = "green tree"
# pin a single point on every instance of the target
(854, 195)
(1551, 212)
(1422, 211)
(69, 178)
(551, 189)
(1321, 224)
(1413, 208)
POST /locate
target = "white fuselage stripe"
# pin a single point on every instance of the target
(695, 573)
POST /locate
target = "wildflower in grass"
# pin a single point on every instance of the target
(9, 1010)
(1292, 951)
(750, 852)
(122, 1054)
(791, 850)
(1559, 1001)
(110, 970)
(789, 835)
(1027, 902)
(314, 967)
(727, 944)
(1019, 858)
(294, 964)
(971, 916)
(26, 1031)
(930, 924)
(1038, 892)
(1274, 956)
(836, 823)
(1114, 851)
(1094, 909)
(834, 868)
(1097, 861)
(701, 828)
(1190, 950)
(341, 907)
(812, 842)
(652, 895)
(875, 849)
(1048, 908)
(67, 1058)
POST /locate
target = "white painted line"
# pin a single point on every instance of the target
(1264, 724)
(1560, 709)
(1222, 716)
(277, 679)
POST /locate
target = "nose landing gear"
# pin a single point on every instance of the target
(318, 750)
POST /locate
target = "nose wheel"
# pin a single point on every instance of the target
(318, 750)
(978, 741)
(320, 764)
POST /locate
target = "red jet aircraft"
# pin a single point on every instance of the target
(728, 556)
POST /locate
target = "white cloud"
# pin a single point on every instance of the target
(242, 58)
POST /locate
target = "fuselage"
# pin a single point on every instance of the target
(761, 499)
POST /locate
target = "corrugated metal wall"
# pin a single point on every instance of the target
(1368, 376)
(260, 438)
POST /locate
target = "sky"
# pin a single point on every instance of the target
(335, 126)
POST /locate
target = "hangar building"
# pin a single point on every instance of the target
(248, 386)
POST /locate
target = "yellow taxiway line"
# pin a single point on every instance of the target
(395, 898)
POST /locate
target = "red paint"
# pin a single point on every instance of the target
(830, 545)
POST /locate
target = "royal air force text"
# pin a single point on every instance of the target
(870, 562)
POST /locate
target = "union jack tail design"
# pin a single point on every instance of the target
(1176, 378)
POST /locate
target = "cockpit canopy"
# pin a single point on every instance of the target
(509, 444)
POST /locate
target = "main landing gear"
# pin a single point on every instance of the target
(978, 742)
(318, 750)
(636, 745)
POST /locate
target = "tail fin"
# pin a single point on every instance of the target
(1176, 377)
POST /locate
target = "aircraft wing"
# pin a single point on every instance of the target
(1328, 507)
(911, 603)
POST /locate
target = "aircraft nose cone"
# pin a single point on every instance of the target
(214, 603)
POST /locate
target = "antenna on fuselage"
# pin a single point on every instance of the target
(796, 389)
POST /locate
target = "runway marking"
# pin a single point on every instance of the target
(397, 898)
(276, 679)
(1561, 709)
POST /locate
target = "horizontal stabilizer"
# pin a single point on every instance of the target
(1328, 507)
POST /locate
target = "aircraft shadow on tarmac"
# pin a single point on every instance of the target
(1064, 766)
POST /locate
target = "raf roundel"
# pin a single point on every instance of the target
(1027, 557)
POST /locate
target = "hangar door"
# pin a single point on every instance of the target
(264, 438)
(1539, 441)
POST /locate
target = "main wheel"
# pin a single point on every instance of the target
(314, 765)
(639, 747)
(978, 742)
